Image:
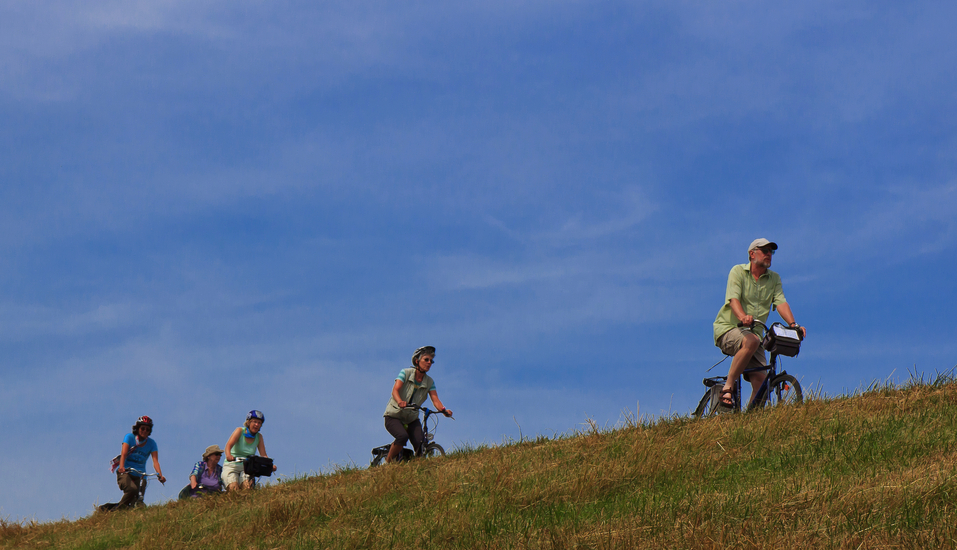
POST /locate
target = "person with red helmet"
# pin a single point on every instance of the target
(137, 446)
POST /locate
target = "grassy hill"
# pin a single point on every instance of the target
(874, 470)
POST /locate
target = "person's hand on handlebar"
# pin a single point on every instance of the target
(747, 320)
(447, 413)
(403, 404)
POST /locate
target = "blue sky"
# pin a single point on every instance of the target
(209, 207)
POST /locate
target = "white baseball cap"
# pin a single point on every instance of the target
(761, 243)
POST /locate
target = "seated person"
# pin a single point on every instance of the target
(207, 475)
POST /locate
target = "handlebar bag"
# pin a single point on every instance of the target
(257, 466)
(782, 340)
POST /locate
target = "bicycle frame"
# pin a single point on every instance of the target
(774, 386)
(760, 397)
(379, 453)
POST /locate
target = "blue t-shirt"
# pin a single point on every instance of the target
(137, 456)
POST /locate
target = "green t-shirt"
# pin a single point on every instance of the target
(244, 448)
(756, 297)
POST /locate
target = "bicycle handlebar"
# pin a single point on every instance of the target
(427, 410)
(798, 329)
(138, 473)
(753, 322)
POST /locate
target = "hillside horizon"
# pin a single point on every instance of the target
(869, 470)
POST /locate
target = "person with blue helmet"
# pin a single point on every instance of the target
(243, 443)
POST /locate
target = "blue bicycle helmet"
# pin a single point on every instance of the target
(256, 415)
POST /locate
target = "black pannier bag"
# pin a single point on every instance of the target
(782, 340)
(255, 466)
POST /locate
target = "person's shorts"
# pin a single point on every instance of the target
(730, 343)
(233, 473)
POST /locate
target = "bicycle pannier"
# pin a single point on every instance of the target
(782, 340)
(257, 466)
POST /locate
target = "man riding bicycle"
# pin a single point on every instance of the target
(753, 291)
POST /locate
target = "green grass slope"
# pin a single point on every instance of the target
(875, 470)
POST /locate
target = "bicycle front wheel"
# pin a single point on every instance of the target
(433, 450)
(708, 406)
(784, 390)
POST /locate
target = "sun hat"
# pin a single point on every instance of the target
(211, 450)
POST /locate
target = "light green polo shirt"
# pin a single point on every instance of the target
(756, 297)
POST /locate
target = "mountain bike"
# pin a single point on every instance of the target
(138, 503)
(777, 388)
(429, 448)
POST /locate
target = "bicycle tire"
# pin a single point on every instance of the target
(784, 390)
(708, 406)
(376, 461)
(434, 450)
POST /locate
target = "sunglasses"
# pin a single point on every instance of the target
(767, 251)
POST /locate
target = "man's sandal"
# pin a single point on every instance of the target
(725, 406)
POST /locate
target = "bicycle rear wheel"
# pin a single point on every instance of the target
(708, 406)
(784, 390)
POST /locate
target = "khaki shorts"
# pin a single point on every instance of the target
(730, 343)
(233, 473)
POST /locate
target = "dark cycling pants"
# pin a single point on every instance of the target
(130, 485)
(403, 434)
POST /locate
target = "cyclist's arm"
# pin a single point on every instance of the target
(434, 396)
(262, 446)
(124, 450)
(738, 311)
(233, 439)
(156, 467)
(784, 310)
(395, 393)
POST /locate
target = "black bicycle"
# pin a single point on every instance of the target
(428, 449)
(777, 389)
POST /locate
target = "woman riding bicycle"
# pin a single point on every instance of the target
(243, 443)
(411, 387)
(131, 466)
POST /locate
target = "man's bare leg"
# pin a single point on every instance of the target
(740, 362)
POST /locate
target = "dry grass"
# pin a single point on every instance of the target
(875, 470)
